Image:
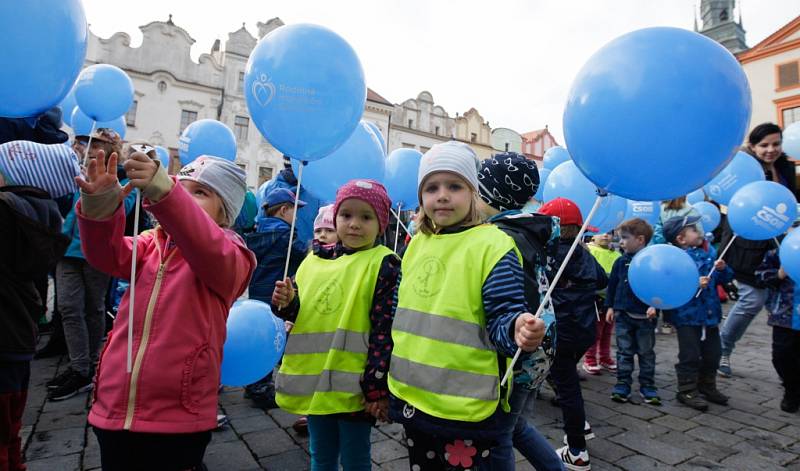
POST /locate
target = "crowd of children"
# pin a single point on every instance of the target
(423, 341)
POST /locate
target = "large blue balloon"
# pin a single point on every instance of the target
(742, 170)
(650, 211)
(361, 156)
(790, 255)
(566, 181)
(378, 134)
(254, 343)
(791, 140)
(663, 276)
(43, 49)
(163, 156)
(762, 210)
(696, 196)
(641, 92)
(709, 214)
(554, 157)
(68, 105)
(543, 174)
(402, 168)
(104, 92)
(305, 90)
(82, 124)
(207, 137)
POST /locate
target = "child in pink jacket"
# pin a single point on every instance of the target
(190, 269)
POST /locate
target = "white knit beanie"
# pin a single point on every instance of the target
(222, 176)
(451, 156)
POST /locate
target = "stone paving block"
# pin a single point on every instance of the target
(243, 411)
(295, 460)
(273, 442)
(629, 423)
(600, 465)
(604, 430)
(283, 418)
(388, 450)
(718, 422)
(394, 431)
(61, 463)
(301, 440)
(766, 450)
(91, 453)
(652, 448)
(599, 411)
(753, 420)
(226, 434)
(715, 436)
(256, 423)
(675, 423)
(700, 464)
(640, 462)
(230, 456)
(55, 443)
(770, 439)
(73, 405)
(791, 430)
(708, 450)
(25, 433)
(746, 461)
(670, 406)
(606, 450)
(375, 435)
(396, 465)
(57, 421)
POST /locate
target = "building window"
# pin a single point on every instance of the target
(130, 116)
(240, 125)
(424, 149)
(162, 86)
(437, 130)
(410, 123)
(240, 83)
(264, 174)
(506, 146)
(788, 75)
(790, 115)
(187, 118)
(406, 145)
(473, 137)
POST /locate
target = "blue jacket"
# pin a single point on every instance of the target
(619, 295)
(782, 295)
(704, 310)
(270, 243)
(305, 215)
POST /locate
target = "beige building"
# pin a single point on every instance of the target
(475, 131)
(506, 140)
(418, 123)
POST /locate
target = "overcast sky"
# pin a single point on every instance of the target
(512, 60)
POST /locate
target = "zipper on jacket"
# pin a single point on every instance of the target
(137, 364)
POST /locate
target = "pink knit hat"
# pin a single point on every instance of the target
(369, 191)
(324, 219)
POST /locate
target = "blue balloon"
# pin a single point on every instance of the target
(789, 254)
(696, 196)
(68, 105)
(104, 92)
(742, 170)
(402, 168)
(641, 92)
(543, 174)
(710, 215)
(791, 140)
(254, 343)
(555, 156)
(566, 181)
(663, 276)
(361, 156)
(374, 127)
(762, 210)
(163, 156)
(44, 47)
(650, 211)
(305, 90)
(82, 124)
(206, 137)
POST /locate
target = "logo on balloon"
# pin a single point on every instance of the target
(183, 143)
(772, 217)
(279, 333)
(263, 90)
(641, 207)
(726, 183)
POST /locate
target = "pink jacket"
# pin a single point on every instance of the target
(189, 273)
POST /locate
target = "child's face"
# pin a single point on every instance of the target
(690, 237)
(326, 236)
(207, 199)
(357, 224)
(630, 243)
(446, 198)
(602, 240)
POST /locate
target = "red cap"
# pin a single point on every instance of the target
(567, 211)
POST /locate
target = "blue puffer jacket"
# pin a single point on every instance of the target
(706, 309)
(305, 215)
(270, 243)
(783, 295)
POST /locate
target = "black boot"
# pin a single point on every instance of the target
(688, 395)
(707, 386)
(790, 402)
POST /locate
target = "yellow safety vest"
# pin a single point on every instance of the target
(326, 352)
(443, 362)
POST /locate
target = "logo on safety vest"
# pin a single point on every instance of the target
(427, 280)
(408, 411)
(330, 298)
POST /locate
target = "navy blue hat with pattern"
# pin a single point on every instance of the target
(508, 181)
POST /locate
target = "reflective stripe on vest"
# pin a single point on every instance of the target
(443, 362)
(326, 352)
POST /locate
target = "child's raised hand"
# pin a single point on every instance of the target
(528, 332)
(99, 176)
(651, 312)
(704, 282)
(284, 292)
(720, 265)
(140, 170)
(782, 274)
(379, 409)
(610, 315)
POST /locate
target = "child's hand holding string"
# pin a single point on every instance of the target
(379, 409)
(140, 170)
(284, 292)
(528, 332)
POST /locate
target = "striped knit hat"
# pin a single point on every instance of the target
(51, 167)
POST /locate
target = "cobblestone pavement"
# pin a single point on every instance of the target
(750, 434)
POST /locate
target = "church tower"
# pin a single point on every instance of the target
(718, 23)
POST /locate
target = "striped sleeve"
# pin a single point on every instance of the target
(504, 300)
(51, 167)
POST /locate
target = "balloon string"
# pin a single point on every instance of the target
(294, 220)
(722, 255)
(398, 219)
(553, 283)
(88, 145)
(397, 228)
(132, 294)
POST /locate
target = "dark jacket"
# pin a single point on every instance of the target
(786, 173)
(704, 310)
(270, 243)
(305, 215)
(46, 129)
(744, 256)
(782, 295)
(31, 244)
(573, 298)
(619, 295)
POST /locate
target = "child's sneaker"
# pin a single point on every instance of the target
(724, 368)
(592, 368)
(666, 329)
(621, 393)
(650, 395)
(577, 462)
(588, 434)
(609, 365)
